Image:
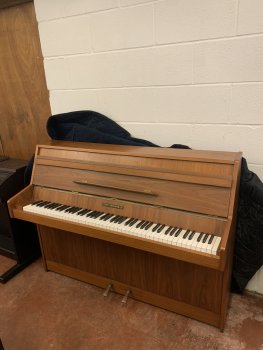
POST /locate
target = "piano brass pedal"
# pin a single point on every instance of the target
(126, 296)
(107, 290)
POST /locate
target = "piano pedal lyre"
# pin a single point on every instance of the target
(107, 290)
(126, 296)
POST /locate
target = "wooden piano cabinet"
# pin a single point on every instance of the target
(187, 189)
(182, 287)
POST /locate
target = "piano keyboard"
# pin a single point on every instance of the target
(175, 236)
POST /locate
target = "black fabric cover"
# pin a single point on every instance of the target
(248, 254)
(91, 126)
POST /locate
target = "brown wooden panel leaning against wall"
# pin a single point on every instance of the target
(24, 102)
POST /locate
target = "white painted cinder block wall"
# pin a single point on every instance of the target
(169, 71)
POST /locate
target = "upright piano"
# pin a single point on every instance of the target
(155, 224)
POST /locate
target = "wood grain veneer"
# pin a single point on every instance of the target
(24, 100)
(196, 190)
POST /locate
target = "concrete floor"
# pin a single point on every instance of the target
(43, 310)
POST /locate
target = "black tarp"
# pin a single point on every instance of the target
(248, 253)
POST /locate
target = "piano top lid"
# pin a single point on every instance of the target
(208, 156)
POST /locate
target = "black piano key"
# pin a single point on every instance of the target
(108, 217)
(76, 209)
(68, 210)
(93, 214)
(128, 222)
(140, 223)
(200, 237)
(122, 219)
(205, 238)
(133, 222)
(104, 216)
(174, 230)
(191, 235)
(83, 212)
(56, 205)
(211, 239)
(48, 206)
(186, 234)
(62, 207)
(148, 226)
(112, 219)
(160, 228)
(37, 202)
(156, 227)
(177, 232)
(43, 204)
(168, 230)
(144, 225)
(116, 218)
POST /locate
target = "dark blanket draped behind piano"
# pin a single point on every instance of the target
(91, 126)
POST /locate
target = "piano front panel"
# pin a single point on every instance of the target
(199, 198)
(192, 284)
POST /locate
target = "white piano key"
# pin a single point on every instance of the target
(171, 236)
(179, 239)
(122, 227)
(160, 236)
(193, 242)
(185, 240)
(138, 232)
(145, 233)
(210, 246)
(199, 243)
(203, 247)
(216, 245)
(30, 207)
(159, 232)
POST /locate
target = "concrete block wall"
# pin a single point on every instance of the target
(169, 71)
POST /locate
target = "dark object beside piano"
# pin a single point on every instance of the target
(190, 190)
(18, 239)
